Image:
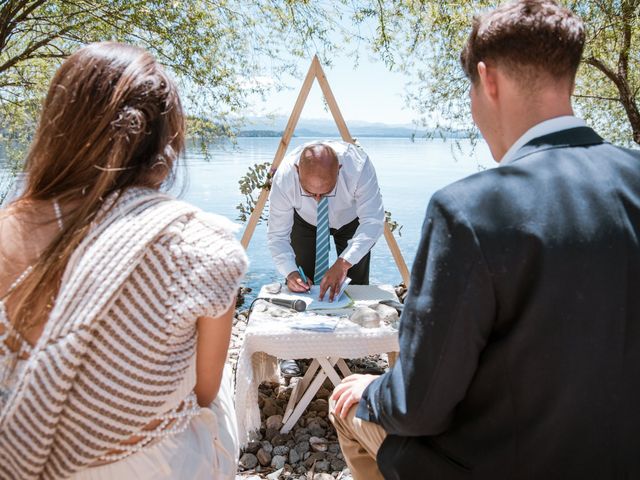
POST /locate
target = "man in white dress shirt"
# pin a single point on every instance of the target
(341, 176)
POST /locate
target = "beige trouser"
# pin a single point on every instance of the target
(359, 441)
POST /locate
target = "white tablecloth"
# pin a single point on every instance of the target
(268, 338)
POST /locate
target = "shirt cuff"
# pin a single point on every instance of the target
(351, 256)
(288, 267)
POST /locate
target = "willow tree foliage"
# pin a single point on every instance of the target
(218, 50)
(425, 37)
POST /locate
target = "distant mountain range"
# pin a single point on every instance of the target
(320, 128)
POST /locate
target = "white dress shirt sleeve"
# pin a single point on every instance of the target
(279, 229)
(370, 215)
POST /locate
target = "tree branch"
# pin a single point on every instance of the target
(33, 47)
(597, 97)
(623, 57)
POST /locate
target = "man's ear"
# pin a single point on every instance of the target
(488, 80)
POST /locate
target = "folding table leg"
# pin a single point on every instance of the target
(342, 366)
(327, 367)
(304, 402)
(300, 388)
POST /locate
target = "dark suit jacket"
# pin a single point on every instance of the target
(520, 338)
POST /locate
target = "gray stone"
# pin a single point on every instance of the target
(264, 457)
(274, 421)
(316, 430)
(294, 456)
(270, 407)
(248, 461)
(303, 437)
(388, 315)
(280, 439)
(252, 447)
(318, 444)
(337, 464)
(334, 448)
(303, 447)
(314, 457)
(323, 465)
(365, 317)
(323, 393)
(280, 450)
(319, 405)
(267, 447)
(278, 461)
(322, 476)
(273, 288)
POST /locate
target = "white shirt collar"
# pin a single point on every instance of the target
(552, 125)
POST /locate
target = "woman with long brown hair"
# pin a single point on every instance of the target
(116, 301)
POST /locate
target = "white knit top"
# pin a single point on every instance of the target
(99, 375)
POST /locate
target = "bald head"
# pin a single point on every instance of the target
(318, 170)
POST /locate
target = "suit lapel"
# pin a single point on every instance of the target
(571, 137)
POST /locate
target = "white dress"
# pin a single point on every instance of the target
(206, 449)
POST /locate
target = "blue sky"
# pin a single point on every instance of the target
(366, 92)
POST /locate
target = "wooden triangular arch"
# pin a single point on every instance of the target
(316, 72)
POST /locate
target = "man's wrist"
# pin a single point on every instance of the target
(344, 265)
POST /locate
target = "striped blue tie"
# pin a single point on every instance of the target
(322, 240)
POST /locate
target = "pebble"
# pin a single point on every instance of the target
(319, 405)
(323, 465)
(278, 461)
(270, 407)
(264, 457)
(253, 447)
(322, 476)
(318, 444)
(274, 421)
(303, 447)
(294, 456)
(365, 317)
(248, 461)
(281, 450)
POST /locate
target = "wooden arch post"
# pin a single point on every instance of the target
(316, 72)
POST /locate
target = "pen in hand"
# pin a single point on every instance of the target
(304, 282)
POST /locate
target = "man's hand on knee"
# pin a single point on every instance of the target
(349, 393)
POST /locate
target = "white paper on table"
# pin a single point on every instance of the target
(313, 322)
(311, 298)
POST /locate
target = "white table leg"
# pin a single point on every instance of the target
(342, 366)
(300, 388)
(327, 367)
(304, 402)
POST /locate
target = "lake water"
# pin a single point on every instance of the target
(408, 174)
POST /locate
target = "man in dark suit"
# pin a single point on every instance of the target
(520, 338)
